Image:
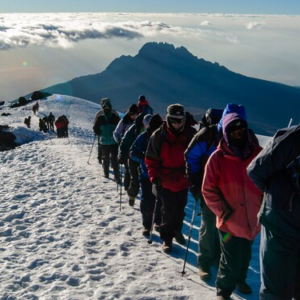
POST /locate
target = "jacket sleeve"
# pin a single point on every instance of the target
(212, 194)
(118, 131)
(152, 157)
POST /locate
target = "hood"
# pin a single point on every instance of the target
(232, 108)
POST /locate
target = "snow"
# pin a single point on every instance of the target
(62, 232)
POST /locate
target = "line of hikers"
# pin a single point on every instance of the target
(167, 159)
(47, 123)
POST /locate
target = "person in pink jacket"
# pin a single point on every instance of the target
(235, 200)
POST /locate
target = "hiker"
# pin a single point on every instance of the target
(35, 107)
(42, 125)
(143, 106)
(200, 148)
(275, 171)
(203, 144)
(45, 119)
(51, 120)
(119, 133)
(65, 128)
(235, 200)
(27, 121)
(166, 167)
(59, 123)
(137, 153)
(106, 121)
(130, 135)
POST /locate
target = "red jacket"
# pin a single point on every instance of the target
(165, 157)
(227, 188)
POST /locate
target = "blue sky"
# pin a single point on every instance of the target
(157, 6)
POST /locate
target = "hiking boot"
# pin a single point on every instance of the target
(156, 228)
(131, 200)
(146, 231)
(222, 297)
(244, 288)
(204, 273)
(167, 247)
(179, 238)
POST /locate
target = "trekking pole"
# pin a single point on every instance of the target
(121, 171)
(91, 149)
(188, 243)
(290, 123)
(153, 218)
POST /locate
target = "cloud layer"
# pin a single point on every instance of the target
(64, 30)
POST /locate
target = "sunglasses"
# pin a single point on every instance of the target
(176, 121)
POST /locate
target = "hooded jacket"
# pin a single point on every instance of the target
(229, 192)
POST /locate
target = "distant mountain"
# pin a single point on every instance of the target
(166, 75)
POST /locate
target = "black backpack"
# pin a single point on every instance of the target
(211, 117)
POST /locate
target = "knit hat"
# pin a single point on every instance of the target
(155, 122)
(105, 103)
(133, 110)
(142, 98)
(146, 120)
(175, 111)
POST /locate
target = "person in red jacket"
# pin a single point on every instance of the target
(235, 200)
(166, 167)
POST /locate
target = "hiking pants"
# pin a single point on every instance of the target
(209, 241)
(134, 185)
(109, 155)
(173, 204)
(148, 202)
(280, 267)
(234, 263)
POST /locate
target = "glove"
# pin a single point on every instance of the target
(226, 214)
(156, 186)
(196, 191)
(121, 160)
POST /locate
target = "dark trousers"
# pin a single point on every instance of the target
(280, 267)
(209, 241)
(173, 204)
(134, 185)
(148, 203)
(126, 174)
(234, 263)
(109, 155)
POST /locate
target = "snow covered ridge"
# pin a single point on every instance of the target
(62, 234)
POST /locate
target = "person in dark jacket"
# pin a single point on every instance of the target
(27, 121)
(203, 144)
(166, 167)
(275, 171)
(143, 106)
(105, 123)
(131, 134)
(137, 153)
(235, 200)
(119, 133)
(51, 120)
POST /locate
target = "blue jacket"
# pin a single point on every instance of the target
(138, 150)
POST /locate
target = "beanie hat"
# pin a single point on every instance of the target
(105, 103)
(133, 110)
(155, 122)
(175, 111)
(142, 98)
(146, 120)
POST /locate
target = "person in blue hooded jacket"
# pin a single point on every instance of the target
(199, 150)
(137, 153)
